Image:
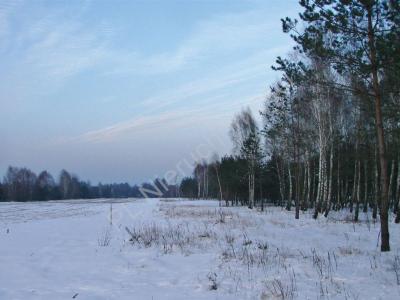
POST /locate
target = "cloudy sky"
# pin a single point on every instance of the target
(129, 90)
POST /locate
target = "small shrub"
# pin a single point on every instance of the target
(284, 289)
(104, 239)
(212, 277)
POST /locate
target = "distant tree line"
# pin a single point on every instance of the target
(21, 184)
(330, 138)
(227, 179)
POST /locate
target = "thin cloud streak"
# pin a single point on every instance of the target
(163, 121)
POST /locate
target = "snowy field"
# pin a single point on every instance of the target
(171, 249)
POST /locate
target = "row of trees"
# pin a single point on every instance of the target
(227, 179)
(21, 184)
(331, 125)
(235, 180)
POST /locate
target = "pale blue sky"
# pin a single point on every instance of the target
(126, 90)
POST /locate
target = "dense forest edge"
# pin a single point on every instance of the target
(331, 124)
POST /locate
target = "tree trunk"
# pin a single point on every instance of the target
(354, 192)
(289, 200)
(325, 186)
(198, 188)
(397, 220)
(365, 208)
(329, 197)
(281, 180)
(219, 184)
(358, 191)
(338, 181)
(397, 192)
(391, 183)
(313, 188)
(345, 192)
(385, 244)
(304, 203)
(297, 200)
(309, 183)
(320, 185)
(251, 185)
(376, 185)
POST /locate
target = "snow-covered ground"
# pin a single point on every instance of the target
(163, 249)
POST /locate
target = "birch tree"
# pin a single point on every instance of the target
(245, 137)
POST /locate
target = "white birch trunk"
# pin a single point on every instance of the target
(289, 204)
(308, 184)
(365, 208)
